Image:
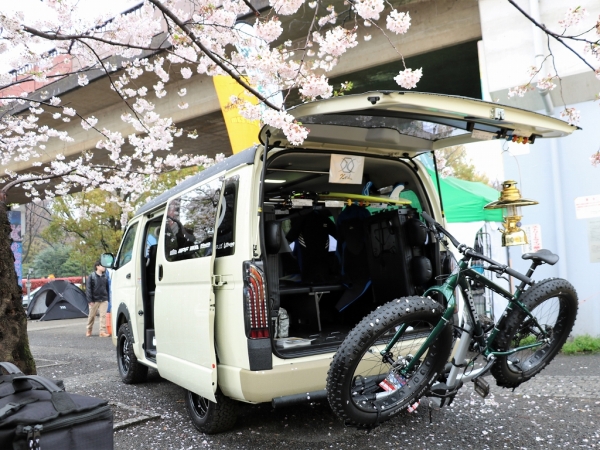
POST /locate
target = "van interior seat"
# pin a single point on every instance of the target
(310, 234)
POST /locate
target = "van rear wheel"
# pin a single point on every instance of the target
(209, 417)
(130, 369)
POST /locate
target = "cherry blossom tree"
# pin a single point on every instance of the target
(194, 37)
(156, 41)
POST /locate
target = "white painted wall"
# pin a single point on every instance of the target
(508, 39)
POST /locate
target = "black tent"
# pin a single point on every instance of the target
(56, 300)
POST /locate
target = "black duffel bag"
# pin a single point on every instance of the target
(36, 413)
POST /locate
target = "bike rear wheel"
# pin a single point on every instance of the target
(359, 385)
(553, 303)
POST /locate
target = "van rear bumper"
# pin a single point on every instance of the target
(282, 380)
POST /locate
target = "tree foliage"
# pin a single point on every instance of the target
(454, 161)
(60, 262)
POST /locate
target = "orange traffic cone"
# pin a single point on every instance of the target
(108, 323)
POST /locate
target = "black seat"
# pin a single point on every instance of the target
(311, 236)
(542, 256)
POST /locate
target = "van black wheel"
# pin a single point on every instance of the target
(359, 378)
(553, 303)
(130, 369)
(209, 417)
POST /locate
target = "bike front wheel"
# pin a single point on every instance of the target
(553, 303)
(366, 388)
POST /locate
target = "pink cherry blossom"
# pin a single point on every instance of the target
(398, 22)
(409, 78)
(571, 115)
(369, 9)
(573, 16)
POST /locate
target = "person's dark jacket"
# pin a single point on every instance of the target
(96, 288)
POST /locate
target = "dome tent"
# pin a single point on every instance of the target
(56, 300)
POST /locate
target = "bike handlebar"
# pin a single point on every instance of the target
(466, 250)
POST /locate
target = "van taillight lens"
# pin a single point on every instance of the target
(255, 302)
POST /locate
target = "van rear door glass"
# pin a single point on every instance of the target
(190, 222)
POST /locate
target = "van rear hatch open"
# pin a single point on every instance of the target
(389, 123)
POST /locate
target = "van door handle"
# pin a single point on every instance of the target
(160, 272)
(128, 276)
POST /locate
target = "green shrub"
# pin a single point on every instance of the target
(582, 344)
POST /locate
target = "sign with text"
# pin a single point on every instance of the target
(594, 240)
(346, 169)
(534, 236)
(587, 207)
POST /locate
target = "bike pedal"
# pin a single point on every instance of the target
(481, 386)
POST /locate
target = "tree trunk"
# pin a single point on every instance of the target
(14, 342)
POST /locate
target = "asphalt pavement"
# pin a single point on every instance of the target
(559, 408)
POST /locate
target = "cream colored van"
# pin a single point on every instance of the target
(240, 283)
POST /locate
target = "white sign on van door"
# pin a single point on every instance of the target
(587, 207)
(534, 236)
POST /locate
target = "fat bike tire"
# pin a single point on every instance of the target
(358, 368)
(553, 302)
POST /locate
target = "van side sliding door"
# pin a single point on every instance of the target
(184, 296)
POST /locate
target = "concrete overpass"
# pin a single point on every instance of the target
(436, 24)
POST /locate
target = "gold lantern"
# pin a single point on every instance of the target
(511, 201)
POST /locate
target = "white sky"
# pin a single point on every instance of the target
(34, 10)
(486, 156)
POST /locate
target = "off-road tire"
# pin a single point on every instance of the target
(554, 304)
(209, 417)
(130, 369)
(349, 405)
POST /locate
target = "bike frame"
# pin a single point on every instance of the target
(472, 329)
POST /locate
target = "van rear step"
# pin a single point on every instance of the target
(308, 397)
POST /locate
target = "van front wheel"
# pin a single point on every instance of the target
(209, 417)
(130, 369)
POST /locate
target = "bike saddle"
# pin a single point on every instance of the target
(542, 256)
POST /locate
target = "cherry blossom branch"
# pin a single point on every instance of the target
(79, 37)
(106, 71)
(211, 55)
(11, 184)
(558, 37)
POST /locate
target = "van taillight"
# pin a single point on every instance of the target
(255, 302)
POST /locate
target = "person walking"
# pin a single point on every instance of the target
(98, 295)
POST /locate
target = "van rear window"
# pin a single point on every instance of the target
(190, 222)
(191, 219)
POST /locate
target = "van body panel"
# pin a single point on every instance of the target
(285, 379)
(391, 121)
(229, 381)
(230, 336)
(184, 308)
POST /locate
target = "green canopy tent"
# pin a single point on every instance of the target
(464, 200)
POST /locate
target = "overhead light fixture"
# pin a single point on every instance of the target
(511, 201)
(267, 180)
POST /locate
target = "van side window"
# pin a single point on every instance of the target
(226, 227)
(126, 249)
(190, 222)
